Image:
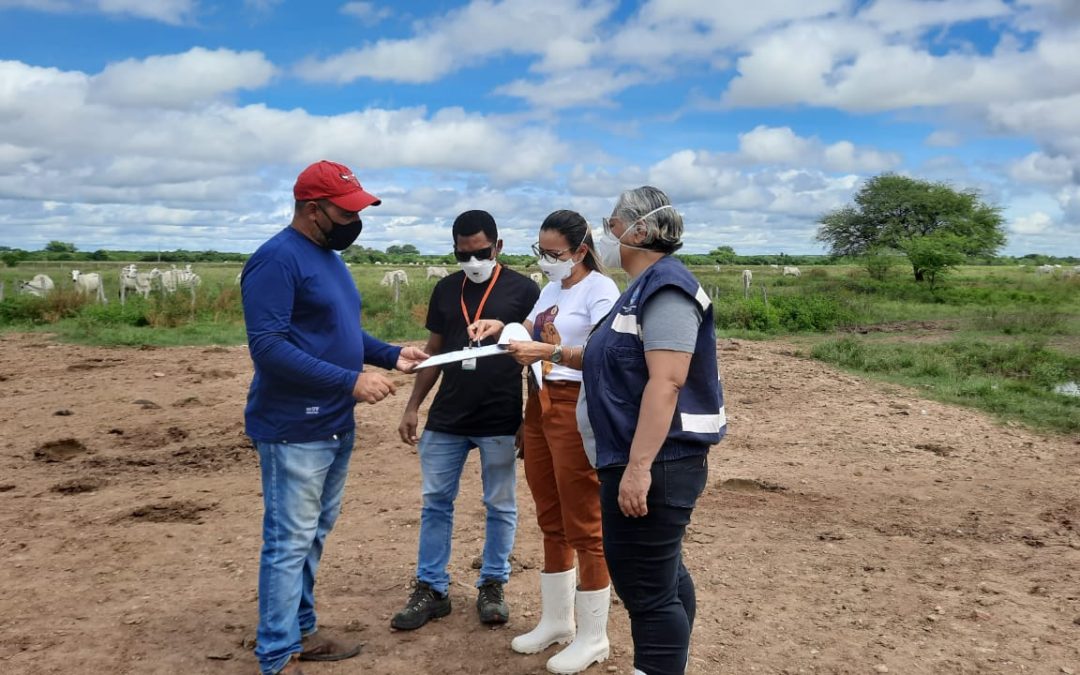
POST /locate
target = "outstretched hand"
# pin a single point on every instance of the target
(527, 352)
(478, 330)
(410, 358)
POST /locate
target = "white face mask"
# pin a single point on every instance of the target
(478, 271)
(610, 248)
(558, 270)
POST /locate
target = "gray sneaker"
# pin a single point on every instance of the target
(424, 605)
(491, 603)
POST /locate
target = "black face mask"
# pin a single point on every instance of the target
(341, 235)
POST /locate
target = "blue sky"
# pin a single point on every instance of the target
(148, 124)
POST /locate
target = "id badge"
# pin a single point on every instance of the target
(468, 364)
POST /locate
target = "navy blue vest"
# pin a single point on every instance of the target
(614, 373)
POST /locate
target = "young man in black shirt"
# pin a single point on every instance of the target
(478, 405)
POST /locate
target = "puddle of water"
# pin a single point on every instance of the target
(1068, 388)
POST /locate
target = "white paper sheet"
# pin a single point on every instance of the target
(512, 331)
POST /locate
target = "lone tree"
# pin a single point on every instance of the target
(55, 246)
(893, 212)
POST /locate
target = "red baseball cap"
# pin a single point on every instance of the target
(333, 181)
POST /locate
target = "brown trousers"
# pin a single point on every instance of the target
(564, 486)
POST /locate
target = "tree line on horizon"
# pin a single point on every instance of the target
(934, 226)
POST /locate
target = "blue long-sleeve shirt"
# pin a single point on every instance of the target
(302, 312)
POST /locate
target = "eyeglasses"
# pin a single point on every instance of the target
(547, 254)
(482, 254)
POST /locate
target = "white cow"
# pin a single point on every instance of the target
(1044, 269)
(187, 278)
(437, 272)
(775, 267)
(791, 271)
(747, 277)
(40, 285)
(89, 283)
(394, 276)
(134, 280)
(537, 277)
(238, 275)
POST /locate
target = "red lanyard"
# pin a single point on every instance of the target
(491, 284)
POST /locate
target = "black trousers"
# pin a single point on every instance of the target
(644, 557)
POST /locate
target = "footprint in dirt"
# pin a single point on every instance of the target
(60, 451)
(77, 486)
(182, 511)
(750, 485)
(91, 364)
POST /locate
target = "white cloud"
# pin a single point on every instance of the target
(464, 37)
(943, 139)
(174, 12)
(66, 147)
(853, 66)
(179, 80)
(782, 146)
(368, 13)
(1039, 168)
(908, 15)
(564, 90)
(1032, 223)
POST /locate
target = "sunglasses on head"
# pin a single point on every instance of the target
(482, 254)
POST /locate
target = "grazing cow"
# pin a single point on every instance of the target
(89, 283)
(747, 277)
(437, 272)
(40, 285)
(394, 277)
(132, 279)
(791, 271)
(537, 277)
(188, 279)
(775, 267)
(1044, 269)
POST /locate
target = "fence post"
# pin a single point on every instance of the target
(765, 296)
(397, 289)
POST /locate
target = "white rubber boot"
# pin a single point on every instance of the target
(590, 645)
(556, 614)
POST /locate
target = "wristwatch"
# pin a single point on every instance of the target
(556, 354)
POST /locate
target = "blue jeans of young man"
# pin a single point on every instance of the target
(644, 557)
(442, 459)
(302, 487)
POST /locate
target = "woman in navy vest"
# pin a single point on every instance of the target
(649, 408)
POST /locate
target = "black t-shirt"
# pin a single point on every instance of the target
(485, 401)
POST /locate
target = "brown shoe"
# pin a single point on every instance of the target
(322, 647)
(292, 667)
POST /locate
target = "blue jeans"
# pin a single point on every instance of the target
(442, 459)
(302, 487)
(644, 557)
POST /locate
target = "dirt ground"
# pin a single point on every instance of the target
(848, 527)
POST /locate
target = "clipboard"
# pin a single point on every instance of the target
(512, 331)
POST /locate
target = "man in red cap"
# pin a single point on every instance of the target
(302, 312)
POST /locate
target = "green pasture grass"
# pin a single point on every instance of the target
(1013, 380)
(988, 301)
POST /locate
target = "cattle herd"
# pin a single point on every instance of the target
(175, 279)
(131, 280)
